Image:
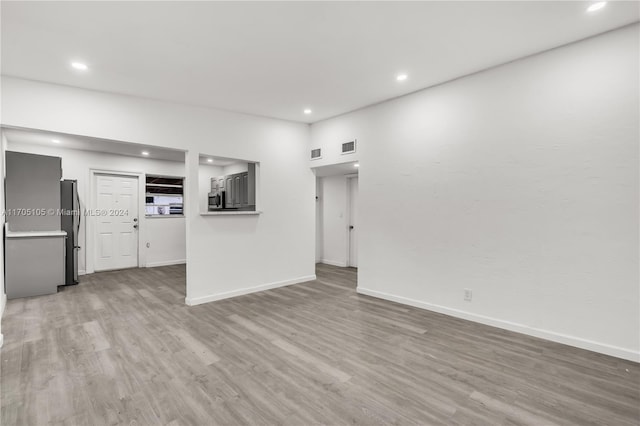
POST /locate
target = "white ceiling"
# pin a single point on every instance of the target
(36, 137)
(348, 168)
(218, 161)
(277, 58)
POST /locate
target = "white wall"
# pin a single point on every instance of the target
(165, 236)
(239, 167)
(166, 239)
(334, 220)
(205, 173)
(278, 245)
(319, 219)
(519, 183)
(3, 293)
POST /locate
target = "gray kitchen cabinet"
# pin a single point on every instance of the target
(34, 263)
(251, 185)
(244, 178)
(32, 186)
(229, 192)
(239, 189)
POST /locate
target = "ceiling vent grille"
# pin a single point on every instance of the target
(316, 154)
(349, 147)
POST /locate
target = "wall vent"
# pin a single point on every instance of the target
(316, 154)
(349, 147)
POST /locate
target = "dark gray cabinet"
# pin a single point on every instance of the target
(240, 189)
(228, 188)
(34, 243)
(32, 187)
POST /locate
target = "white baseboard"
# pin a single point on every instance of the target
(334, 263)
(3, 303)
(577, 342)
(165, 263)
(262, 287)
(82, 272)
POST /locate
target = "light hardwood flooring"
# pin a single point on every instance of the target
(122, 348)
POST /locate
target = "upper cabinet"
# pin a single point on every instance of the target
(239, 189)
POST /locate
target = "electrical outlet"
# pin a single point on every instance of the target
(467, 294)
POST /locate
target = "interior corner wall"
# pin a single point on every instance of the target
(3, 293)
(334, 220)
(226, 255)
(319, 241)
(519, 183)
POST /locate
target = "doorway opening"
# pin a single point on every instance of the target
(337, 215)
(353, 220)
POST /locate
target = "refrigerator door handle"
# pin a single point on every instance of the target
(79, 213)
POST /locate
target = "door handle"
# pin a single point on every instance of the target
(351, 227)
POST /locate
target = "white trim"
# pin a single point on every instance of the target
(165, 216)
(34, 234)
(3, 304)
(334, 263)
(349, 224)
(192, 301)
(577, 342)
(82, 272)
(166, 263)
(232, 213)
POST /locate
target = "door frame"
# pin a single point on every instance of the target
(350, 178)
(90, 220)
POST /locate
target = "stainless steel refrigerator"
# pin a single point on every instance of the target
(70, 222)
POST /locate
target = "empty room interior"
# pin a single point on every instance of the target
(320, 213)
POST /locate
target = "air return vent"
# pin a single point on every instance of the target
(349, 147)
(316, 154)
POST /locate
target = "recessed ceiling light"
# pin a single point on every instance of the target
(596, 6)
(307, 111)
(356, 165)
(79, 66)
(401, 77)
(55, 140)
(145, 153)
(209, 160)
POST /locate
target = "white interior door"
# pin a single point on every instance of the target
(116, 219)
(353, 228)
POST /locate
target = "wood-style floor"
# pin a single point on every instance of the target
(122, 348)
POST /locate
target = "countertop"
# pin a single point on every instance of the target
(230, 213)
(34, 234)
